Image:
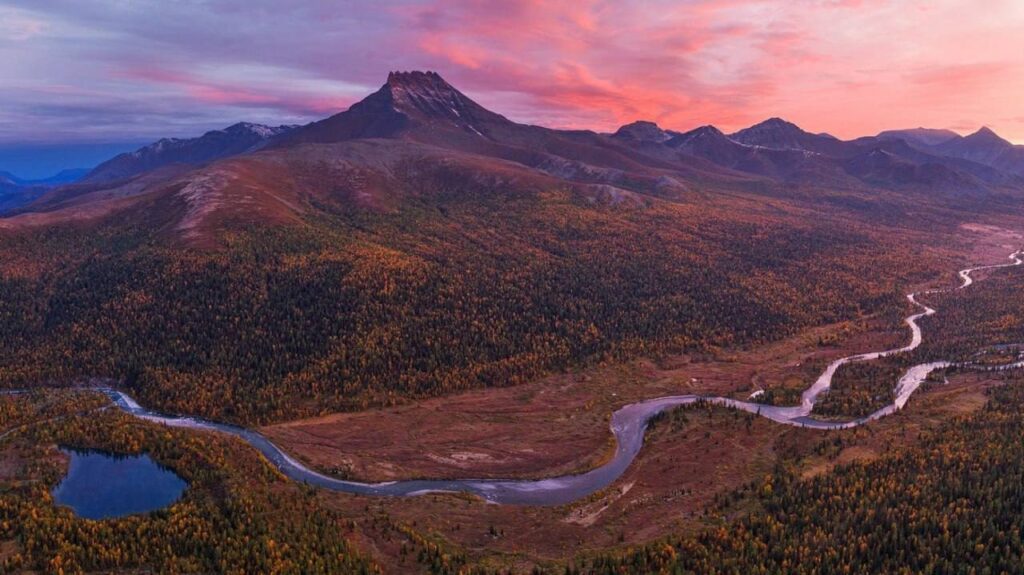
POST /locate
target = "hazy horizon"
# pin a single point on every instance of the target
(38, 161)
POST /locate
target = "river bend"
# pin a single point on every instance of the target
(628, 425)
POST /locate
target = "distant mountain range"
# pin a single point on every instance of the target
(425, 116)
(920, 158)
(15, 192)
(61, 178)
(166, 153)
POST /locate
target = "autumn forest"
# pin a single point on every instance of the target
(272, 316)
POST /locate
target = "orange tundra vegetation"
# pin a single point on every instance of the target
(456, 288)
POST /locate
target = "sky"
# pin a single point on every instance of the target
(116, 71)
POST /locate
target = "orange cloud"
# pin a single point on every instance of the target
(849, 67)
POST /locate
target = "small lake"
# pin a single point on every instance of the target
(101, 485)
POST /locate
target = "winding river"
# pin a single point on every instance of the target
(628, 425)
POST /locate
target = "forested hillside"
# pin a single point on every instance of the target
(456, 288)
(982, 326)
(950, 505)
(237, 516)
(419, 244)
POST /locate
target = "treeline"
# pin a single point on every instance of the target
(362, 308)
(952, 504)
(237, 515)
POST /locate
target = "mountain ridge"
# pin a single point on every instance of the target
(432, 120)
(213, 145)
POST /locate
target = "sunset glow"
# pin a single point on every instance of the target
(847, 67)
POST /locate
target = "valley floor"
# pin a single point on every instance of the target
(682, 482)
(560, 425)
(701, 466)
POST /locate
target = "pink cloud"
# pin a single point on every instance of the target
(18, 26)
(961, 76)
(208, 92)
(850, 67)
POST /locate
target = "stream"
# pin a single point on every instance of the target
(628, 424)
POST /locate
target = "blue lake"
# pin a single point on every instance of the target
(100, 485)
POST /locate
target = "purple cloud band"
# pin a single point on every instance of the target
(103, 70)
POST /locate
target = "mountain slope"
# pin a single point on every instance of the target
(63, 177)
(920, 136)
(779, 134)
(782, 151)
(391, 269)
(448, 249)
(9, 179)
(422, 107)
(15, 193)
(643, 131)
(236, 139)
(429, 118)
(785, 164)
(432, 119)
(406, 102)
(986, 147)
(885, 168)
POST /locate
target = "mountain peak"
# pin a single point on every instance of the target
(986, 134)
(776, 123)
(773, 133)
(707, 129)
(707, 132)
(780, 134)
(259, 130)
(424, 93)
(642, 131)
(415, 77)
(424, 97)
(410, 104)
(986, 147)
(640, 125)
(703, 137)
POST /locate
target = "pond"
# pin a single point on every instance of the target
(101, 485)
